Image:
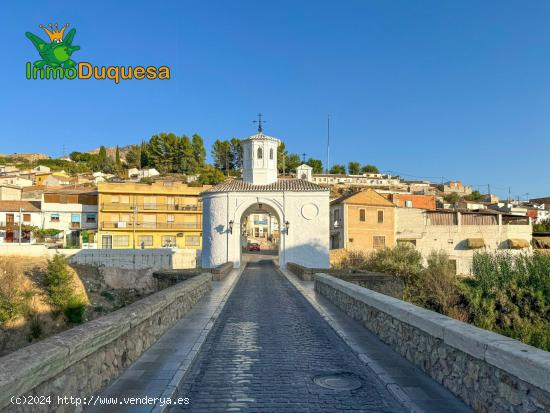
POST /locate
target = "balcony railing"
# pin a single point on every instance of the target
(151, 207)
(151, 225)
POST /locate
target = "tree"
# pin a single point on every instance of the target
(118, 163)
(104, 162)
(185, 162)
(221, 153)
(198, 150)
(281, 157)
(370, 169)
(133, 157)
(292, 161)
(474, 196)
(543, 226)
(236, 154)
(316, 164)
(211, 176)
(338, 169)
(452, 198)
(354, 168)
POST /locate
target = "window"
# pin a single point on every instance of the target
(380, 217)
(379, 241)
(149, 202)
(26, 217)
(271, 153)
(149, 221)
(91, 218)
(146, 240)
(124, 199)
(362, 215)
(121, 240)
(54, 218)
(260, 153)
(168, 241)
(192, 241)
(170, 219)
(75, 218)
(115, 199)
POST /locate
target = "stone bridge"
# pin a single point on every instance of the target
(261, 339)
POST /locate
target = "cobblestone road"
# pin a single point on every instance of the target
(264, 351)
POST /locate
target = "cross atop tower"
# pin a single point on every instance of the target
(303, 158)
(259, 122)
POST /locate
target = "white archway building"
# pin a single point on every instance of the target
(301, 208)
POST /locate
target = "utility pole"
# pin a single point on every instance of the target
(135, 210)
(328, 143)
(489, 191)
(509, 194)
(20, 231)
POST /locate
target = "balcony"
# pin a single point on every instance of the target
(75, 225)
(140, 226)
(109, 206)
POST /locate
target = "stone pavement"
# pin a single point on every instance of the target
(268, 349)
(159, 369)
(410, 385)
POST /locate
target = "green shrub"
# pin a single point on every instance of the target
(75, 309)
(58, 282)
(403, 260)
(510, 294)
(36, 327)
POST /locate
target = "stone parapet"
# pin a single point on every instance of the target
(383, 283)
(221, 271)
(80, 361)
(490, 372)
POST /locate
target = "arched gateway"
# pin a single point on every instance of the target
(300, 207)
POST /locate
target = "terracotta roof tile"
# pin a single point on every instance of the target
(295, 185)
(13, 206)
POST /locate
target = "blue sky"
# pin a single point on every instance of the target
(452, 89)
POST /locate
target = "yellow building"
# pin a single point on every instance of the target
(157, 215)
(362, 220)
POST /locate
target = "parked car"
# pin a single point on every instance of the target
(253, 246)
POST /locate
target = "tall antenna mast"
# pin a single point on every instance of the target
(328, 143)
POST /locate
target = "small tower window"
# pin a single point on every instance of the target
(271, 153)
(260, 153)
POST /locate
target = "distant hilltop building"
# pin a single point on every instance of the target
(28, 156)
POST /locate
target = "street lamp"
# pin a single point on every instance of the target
(230, 227)
(287, 225)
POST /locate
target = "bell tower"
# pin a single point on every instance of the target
(260, 157)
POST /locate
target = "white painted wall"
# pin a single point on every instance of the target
(306, 243)
(412, 224)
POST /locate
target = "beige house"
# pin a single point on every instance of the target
(362, 220)
(460, 234)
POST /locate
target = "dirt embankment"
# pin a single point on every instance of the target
(24, 299)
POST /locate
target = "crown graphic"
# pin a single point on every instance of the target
(54, 33)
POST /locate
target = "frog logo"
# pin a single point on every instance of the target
(57, 53)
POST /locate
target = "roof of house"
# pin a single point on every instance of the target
(295, 185)
(368, 197)
(72, 190)
(260, 136)
(14, 206)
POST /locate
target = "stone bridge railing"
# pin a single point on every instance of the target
(490, 372)
(80, 361)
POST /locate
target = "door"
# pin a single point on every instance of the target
(10, 219)
(107, 242)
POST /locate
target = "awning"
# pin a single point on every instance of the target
(475, 243)
(518, 244)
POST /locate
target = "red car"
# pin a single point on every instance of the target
(253, 246)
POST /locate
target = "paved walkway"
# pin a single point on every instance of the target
(158, 370)
(265, 350)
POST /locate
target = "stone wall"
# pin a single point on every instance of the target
(156, 259)
(82, 360)
(221, 271)
(382, 283)
(490, 372)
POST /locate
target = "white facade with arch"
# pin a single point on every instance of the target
(301, 208)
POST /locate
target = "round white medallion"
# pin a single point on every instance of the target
(310, 211)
